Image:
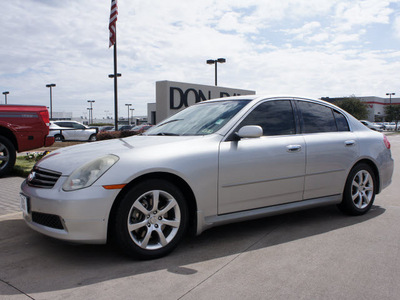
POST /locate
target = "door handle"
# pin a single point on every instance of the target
(350, 143)
(293, 148)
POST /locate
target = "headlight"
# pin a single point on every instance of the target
(87, 174)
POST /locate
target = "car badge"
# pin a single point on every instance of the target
(31, 176)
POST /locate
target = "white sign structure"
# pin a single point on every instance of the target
(172, 97)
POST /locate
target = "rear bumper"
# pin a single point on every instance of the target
(48, 141)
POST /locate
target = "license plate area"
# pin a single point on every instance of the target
(24, 203)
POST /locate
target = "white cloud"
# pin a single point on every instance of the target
(396, 26)
(304, 47)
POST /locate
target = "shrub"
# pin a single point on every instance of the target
(108, 135)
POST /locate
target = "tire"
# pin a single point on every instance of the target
(151, 219)
(93, 138)
(59, 138)
(359, 192)
(7, 156)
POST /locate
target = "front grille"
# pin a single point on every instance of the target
(48, 220)
(43, 178)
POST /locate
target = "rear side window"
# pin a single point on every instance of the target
(341, 121)
(316, 117)
(63, 124)
(275, 118)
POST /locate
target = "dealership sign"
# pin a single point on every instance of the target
(172, 97)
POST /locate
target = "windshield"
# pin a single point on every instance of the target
(202, 119)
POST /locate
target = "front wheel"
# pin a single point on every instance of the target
(7, 156)
(359, 192)
(151, 219)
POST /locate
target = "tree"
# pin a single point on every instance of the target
(392, 113)
(354, 106)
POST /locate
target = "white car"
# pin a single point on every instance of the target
(372, 126)
(72, 131)
(216, 162)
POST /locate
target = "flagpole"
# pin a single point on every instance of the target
(115, 83)
(113, 42)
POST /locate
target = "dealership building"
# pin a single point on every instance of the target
(172, 96)
(376, 105)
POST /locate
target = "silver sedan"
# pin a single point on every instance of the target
(217, 162)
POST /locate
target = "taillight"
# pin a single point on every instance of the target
(386, 141)
(44, 114)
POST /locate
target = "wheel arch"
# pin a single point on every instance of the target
(374, 168)
(7, 133)
(172, 178)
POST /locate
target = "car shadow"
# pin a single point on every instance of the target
(28, 255)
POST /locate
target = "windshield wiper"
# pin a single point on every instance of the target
(167, 134)
(169, 122)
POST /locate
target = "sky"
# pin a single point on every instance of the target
(306, 48)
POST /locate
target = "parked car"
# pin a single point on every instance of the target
(105, 128)
(216, 162)
(141, 128)
(373, 126)
(390, 126)
(22, 128)
(125, 127)
(72, 131)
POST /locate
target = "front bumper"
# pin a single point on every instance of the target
(77, 216)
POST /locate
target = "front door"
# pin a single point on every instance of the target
(264, 171)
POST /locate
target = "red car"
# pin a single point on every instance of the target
(22, 128)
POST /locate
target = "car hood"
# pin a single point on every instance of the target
(66, 160)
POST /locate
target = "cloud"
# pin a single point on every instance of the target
(311, 48)
(396, 26)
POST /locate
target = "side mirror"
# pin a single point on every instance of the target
(250, 131)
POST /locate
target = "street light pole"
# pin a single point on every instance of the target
(51, 85)
(5, 95)
(132, 109)
(390, 96)
(91, 111)
(215, 62)
(128, 112)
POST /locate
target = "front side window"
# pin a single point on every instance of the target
(316, 117)
(275, 118)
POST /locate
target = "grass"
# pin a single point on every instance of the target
(23, 167)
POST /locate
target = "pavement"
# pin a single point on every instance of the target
(9, 194)
(313, 254)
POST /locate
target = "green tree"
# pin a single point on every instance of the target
(392, 113)
(354, 106)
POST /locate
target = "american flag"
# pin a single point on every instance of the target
(113, 20)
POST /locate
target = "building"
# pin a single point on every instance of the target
(376, 105)
(172, 97)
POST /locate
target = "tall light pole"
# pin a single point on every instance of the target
(128, 112)
(5, 95)
(390, 96)
(91, 111)
(115, 92)
(215, 62)
(51, 85)
(132, 109)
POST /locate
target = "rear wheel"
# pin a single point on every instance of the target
(359, 192)
(93, 138)
(59, 138)
(151, 219)
(7, 156)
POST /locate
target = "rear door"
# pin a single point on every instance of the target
(265, 171)
(331, 149)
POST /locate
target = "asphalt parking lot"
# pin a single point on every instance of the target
(314, 254)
